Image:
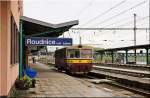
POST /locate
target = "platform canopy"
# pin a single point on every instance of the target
(146, 46)
(37, 28)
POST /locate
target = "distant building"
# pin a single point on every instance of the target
(10, 12)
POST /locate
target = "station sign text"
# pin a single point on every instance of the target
(47, 41)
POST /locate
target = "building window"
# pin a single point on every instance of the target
(14, 42)
(19, 6)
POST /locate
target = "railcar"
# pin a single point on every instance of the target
(74, 59)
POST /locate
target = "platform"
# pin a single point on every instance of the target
(51, 83)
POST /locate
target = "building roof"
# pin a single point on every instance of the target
(37, 28)
(146, 46)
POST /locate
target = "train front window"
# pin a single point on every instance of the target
(86, 53)
(73, 53)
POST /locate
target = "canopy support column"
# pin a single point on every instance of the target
(126, 56)
(112, 56)
(147, 57)
(20, 51)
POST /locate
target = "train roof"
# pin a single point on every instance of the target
(77, 47)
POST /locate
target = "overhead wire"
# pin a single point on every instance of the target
(85, 8)
(107, 11)
(118, 14)
(140, 19)
(135, 6)
(116, 22)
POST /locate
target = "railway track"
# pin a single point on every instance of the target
(125, 66)
(131, 77)
(110, 85)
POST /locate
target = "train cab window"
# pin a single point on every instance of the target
(73, 53)
(86, 53)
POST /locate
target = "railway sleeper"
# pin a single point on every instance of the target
(134, 86)
(131, 85)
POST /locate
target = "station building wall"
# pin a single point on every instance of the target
(10, 12)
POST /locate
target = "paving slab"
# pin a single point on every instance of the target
(51, 83)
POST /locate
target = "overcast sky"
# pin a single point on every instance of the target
(95, 13)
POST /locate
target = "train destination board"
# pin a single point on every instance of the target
(47, 41)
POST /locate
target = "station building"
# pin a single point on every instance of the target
(10, 13)
(14, 27)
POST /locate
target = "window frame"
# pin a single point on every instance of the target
(14, 52)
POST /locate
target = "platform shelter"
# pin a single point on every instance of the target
(35, 28)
